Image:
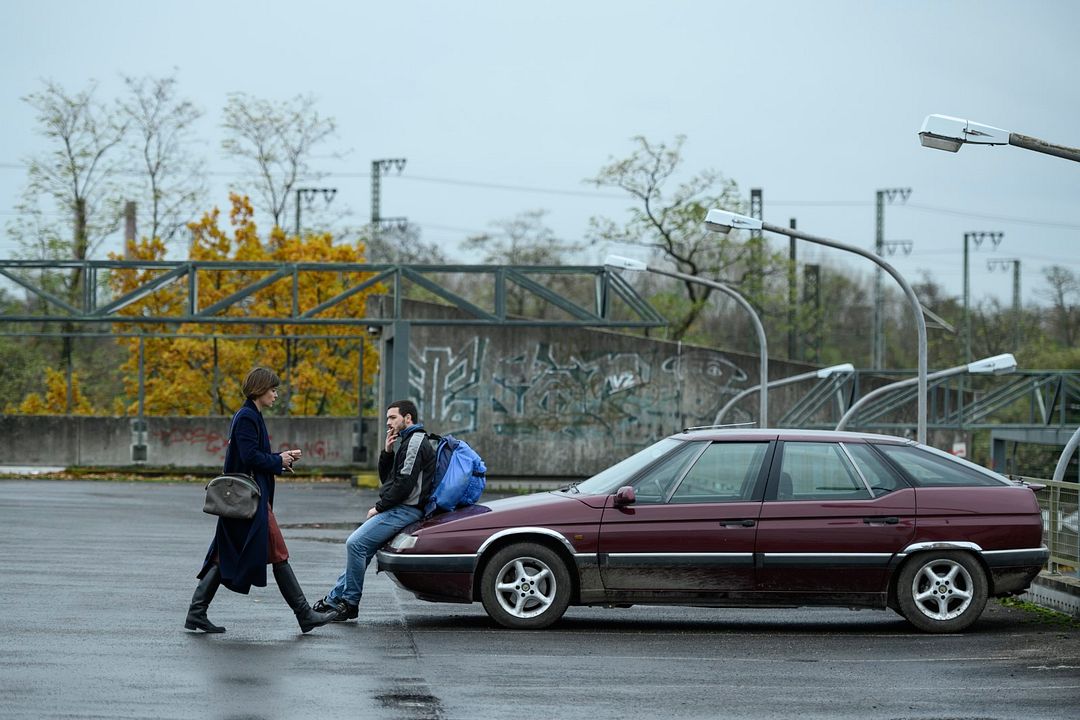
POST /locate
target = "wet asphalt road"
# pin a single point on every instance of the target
(96, 578)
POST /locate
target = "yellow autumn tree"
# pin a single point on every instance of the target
(54, 401)
(200, 370)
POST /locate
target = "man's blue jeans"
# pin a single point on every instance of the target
(362, 545)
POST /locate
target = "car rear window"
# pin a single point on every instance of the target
(818, 471)
(930, 469)
(879, 476)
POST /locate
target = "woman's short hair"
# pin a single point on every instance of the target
(258, 381)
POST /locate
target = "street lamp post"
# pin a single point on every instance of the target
(942, 132)
(723, 221)
(822, 374)
(625, 263)
(996, 365)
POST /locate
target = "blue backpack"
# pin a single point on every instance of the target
(460, 475)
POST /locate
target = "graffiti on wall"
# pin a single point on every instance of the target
(447, 385)
(622, 395)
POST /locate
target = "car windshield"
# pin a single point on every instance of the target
(610, 480)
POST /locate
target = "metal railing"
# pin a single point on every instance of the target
(1061, 523)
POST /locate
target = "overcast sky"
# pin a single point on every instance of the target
(503, 107)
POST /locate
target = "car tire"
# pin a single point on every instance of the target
(525, 586)
(941, 592)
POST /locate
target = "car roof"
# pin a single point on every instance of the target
(797, 434)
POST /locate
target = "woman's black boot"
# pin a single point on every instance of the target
(290, 590)
(200, 601)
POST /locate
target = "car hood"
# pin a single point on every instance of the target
(538, 509)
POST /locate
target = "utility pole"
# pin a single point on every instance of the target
(792, 296)
(1003, 264)
(306, 197)
(130, 229)
(878, 347)
(978, 238)
(757, 270)
(378, 167)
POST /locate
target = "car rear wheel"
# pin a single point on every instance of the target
(525, 586)
(941, 591)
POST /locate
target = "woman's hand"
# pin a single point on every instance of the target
(288, 457)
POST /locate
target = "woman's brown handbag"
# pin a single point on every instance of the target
(232, 495)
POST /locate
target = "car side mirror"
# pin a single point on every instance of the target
(625, 496)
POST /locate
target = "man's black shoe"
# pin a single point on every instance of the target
(344, 610)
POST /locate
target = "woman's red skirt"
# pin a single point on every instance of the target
(277, 552)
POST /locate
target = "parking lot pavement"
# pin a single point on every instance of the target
(95, 578)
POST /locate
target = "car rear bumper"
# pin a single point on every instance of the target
(1012, 571)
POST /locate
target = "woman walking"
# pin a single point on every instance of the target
(241, 549)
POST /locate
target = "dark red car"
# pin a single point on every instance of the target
(741, 518)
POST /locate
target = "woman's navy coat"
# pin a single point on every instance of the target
(242, 546)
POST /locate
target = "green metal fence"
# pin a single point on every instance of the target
(1061, 523)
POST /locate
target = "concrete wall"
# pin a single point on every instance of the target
(185, 442)
(567, 402)
(535, 402)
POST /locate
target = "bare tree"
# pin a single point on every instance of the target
(172, 184)
(275, 140)
(70, 201)
(1062, 289)
(400, 245)
(525, 240)
(672, 226)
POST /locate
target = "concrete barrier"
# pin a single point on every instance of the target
(183, 442)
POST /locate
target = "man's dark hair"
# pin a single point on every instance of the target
(406, 407)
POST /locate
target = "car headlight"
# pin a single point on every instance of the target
(403, 541)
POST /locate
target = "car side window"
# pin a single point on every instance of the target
(929, 470)
(818, 471)
(725, 472)
(656, 483)
(881, 479)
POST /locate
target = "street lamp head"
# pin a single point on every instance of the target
(625, 263)
(722, 221)
(836, 370)
(942, 132)
(997, 365)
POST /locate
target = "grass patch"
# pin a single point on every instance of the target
(1041, 615)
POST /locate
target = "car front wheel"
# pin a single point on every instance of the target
(525, 586)
(941, 591)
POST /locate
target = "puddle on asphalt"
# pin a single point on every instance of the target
(412, 706)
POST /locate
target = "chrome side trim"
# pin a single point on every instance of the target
(700, 560)
(1042, 549)
(527, 531)
(1021, 557)
(832, 560)
(625, 555)
(940, 545)
(827, 555)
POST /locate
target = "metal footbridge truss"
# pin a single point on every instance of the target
(568, 296)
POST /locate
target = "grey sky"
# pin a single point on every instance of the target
(818, 103)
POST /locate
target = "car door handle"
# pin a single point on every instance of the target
(738, 523)
(887, 520)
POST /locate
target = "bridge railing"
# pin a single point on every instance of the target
(1061, 523)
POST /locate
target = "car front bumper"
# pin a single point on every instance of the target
(437, 578)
